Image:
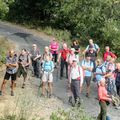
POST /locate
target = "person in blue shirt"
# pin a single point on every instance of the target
(100, 71)
(87, 66)
(47, 68)
(11, 72)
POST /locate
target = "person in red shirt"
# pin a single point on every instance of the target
(62, 58)
(104, 98)
(108, 53)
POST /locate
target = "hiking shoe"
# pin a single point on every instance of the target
(12, 93)
(87, 95)
(23, 86)
(0, 92)
(50, 96)
(42, 95)
(70, 100)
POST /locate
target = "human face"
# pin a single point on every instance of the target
(46, 49)
(74, 63)
(102, 82)
(118, 66)
(34, 46)
(107, 49)
(65, 46)
(11, 53)
(90, 41)
(23, 52)
(88, 58)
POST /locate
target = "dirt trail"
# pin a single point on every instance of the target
(24, 38)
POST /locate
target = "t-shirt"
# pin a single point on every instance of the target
(87, 64)
(64, 53)
(25, 59)
(100, 69)
(106, 54)
(54, 46)
(76, 47)
(9, 60)
(35, 53)
(95, 47)
(48, 66)
(71, 57)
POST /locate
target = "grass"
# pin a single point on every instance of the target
(5, 45)
(76, 113)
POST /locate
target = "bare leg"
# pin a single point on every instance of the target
(50, 87)
(43, 88)
(3, 85)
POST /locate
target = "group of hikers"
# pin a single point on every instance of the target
(104, 71)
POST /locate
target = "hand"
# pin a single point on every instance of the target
(110, 99)
(34, 59)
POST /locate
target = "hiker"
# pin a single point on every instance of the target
(87, 66)
(76, 46)
(35, 57)
(76, 80)
(70, 57)
(100, 71)
(54, 47)
(106, 63)
(11, 71)
(62, 58)
(47, 53)
(117, 79)
(93, 56)
(110, 77)
(92, 44)
(104, 100)
(108, 53)
(23, 65)
(47, 68)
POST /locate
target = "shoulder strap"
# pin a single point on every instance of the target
(101, 69)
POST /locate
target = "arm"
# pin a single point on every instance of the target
(59, 56)
(38, 56)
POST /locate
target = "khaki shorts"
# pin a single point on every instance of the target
(47, 77)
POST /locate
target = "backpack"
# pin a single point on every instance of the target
(100, 68)
(90, 62)
(21, 60)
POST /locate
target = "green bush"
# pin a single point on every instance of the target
(4, 47)
(72, 114)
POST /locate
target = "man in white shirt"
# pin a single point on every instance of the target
(76, 80)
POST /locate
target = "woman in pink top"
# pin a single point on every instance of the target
(104, 98)
(54, 46)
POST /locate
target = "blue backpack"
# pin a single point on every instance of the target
(108, 118)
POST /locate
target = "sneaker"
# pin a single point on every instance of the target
(87, 95)
(23, 86)
(12, 93)
(70, 100)
(0, 92)
(50, 95)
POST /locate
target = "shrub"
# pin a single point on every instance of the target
(71, 114)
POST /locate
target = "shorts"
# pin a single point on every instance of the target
(8, 75)
(87, 79)
(47, 77)
(22, 71)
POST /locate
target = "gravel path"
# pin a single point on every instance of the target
(24, 38)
